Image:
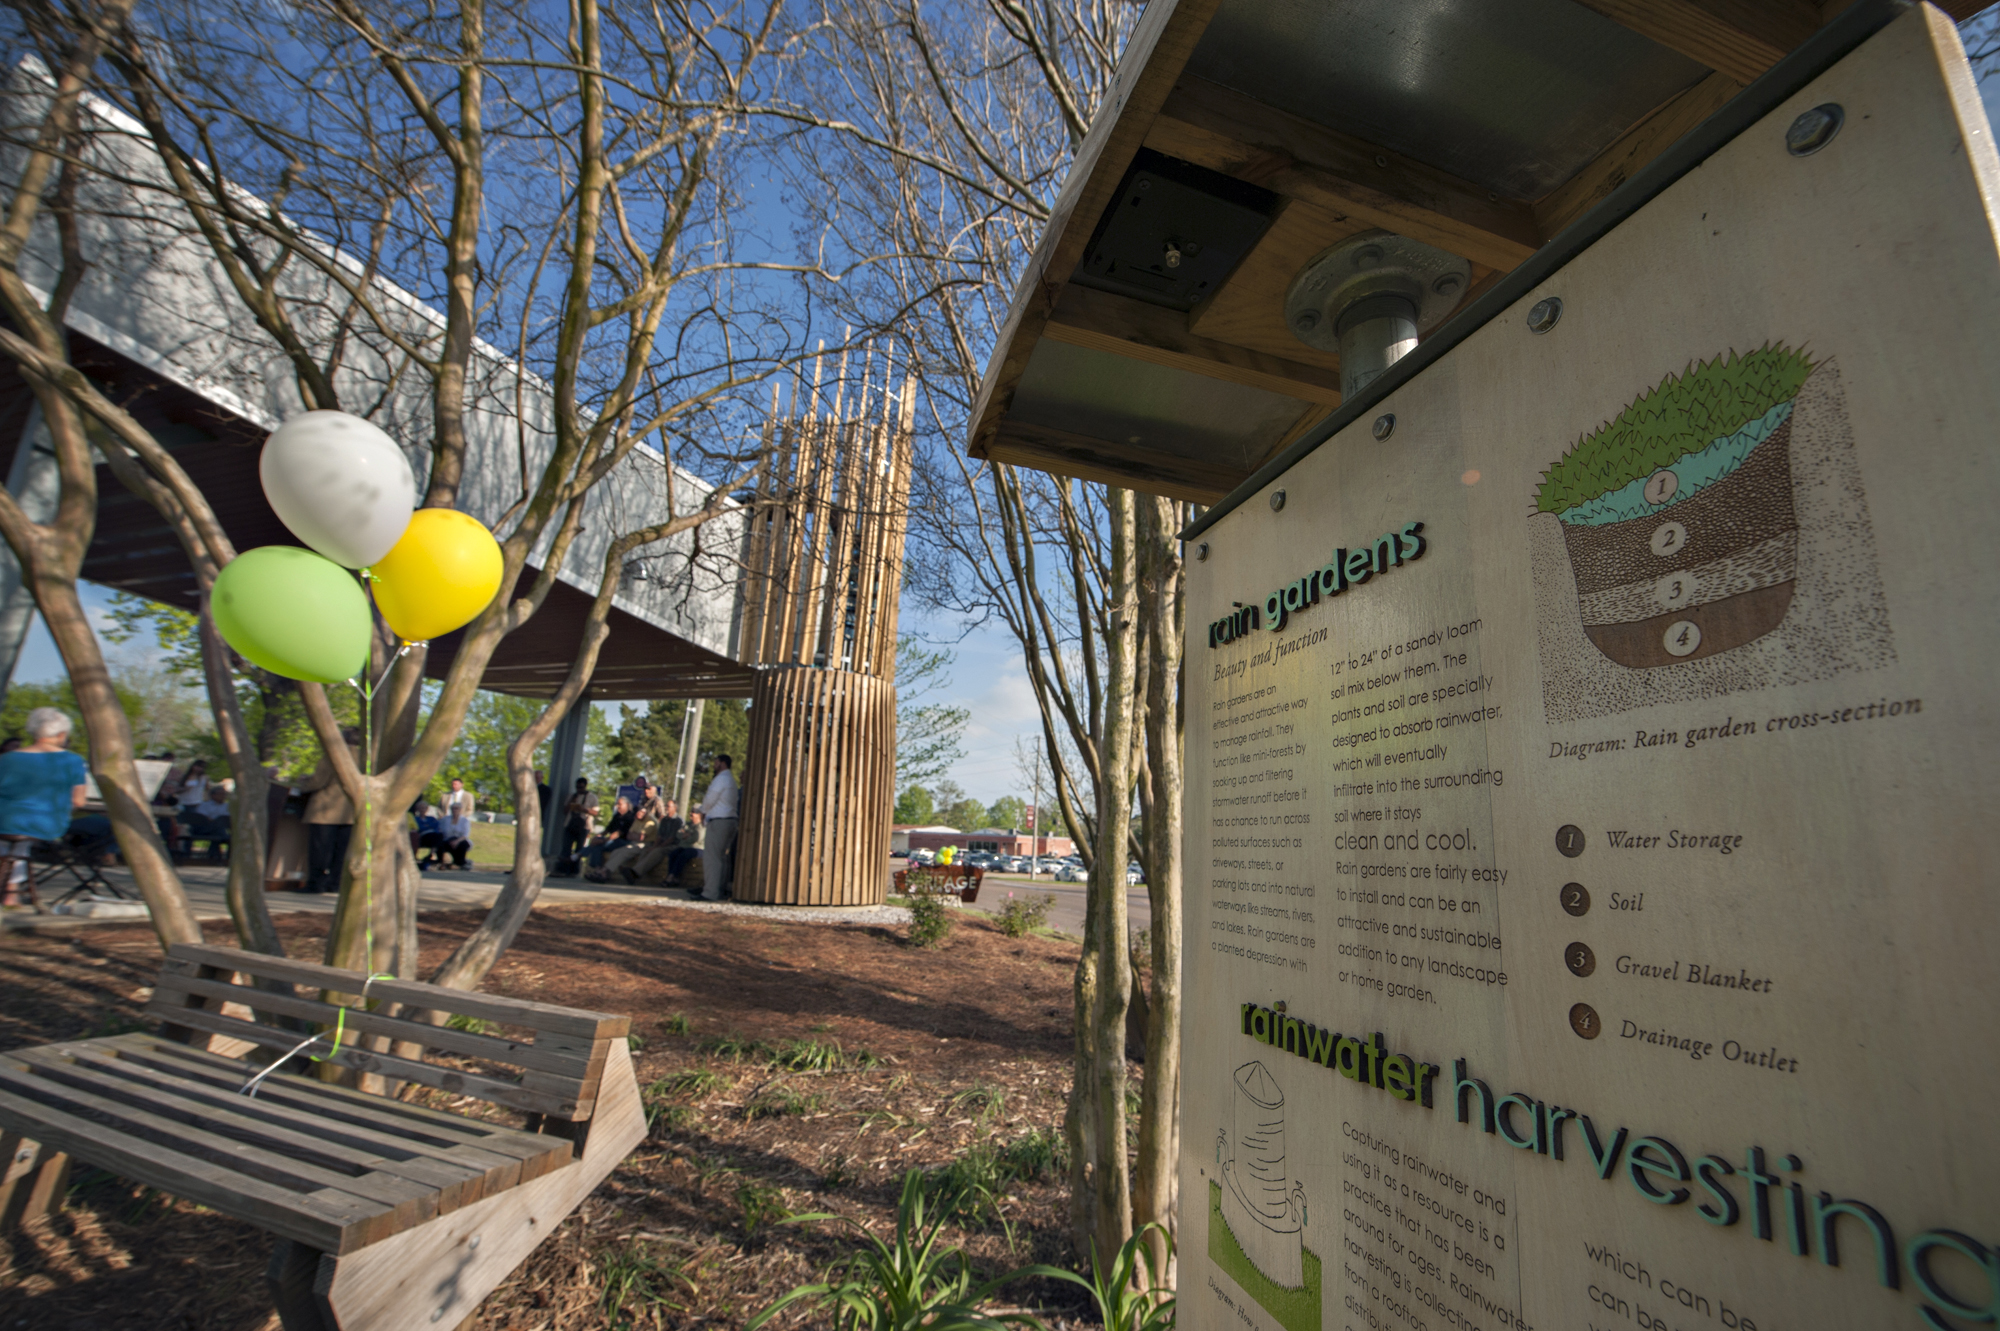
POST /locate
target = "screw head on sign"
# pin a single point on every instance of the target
(1277, 500)
(1814, 129)
(1546, 313)
(1385, 425)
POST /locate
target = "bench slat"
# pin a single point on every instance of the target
(492, 1049)
(455, 1181)
(432, 1130)
(399, 1201)
(415, 993)
(317, 1221)
(440, 1078)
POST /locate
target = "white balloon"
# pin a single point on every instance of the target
(340, 484)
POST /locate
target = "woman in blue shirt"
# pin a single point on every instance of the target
(41, 784)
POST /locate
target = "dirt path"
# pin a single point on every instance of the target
(948, 1059)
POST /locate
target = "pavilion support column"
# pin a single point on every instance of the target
(33, 481)
(690, 755)
(565, 766)
(818, 789)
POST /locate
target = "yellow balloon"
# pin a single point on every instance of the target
(439, 576)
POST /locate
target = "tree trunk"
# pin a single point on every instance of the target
(1156, 1185)
(250, 810)
(1104, 973)
(126, 800)
(468, 965)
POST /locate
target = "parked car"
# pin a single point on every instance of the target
(923, 857)
(1072, 873)
(1134, 875)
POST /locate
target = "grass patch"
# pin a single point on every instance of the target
(782, 1102)
(759, 1207)
(732, 1046)
(981, 1099)
(459, 1021)
(818, 1056)
(969, 1188)
(635, 1279)
(678, 1024)
(1684, 413)
(693, 1083)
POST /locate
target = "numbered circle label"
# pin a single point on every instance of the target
(1682, 638)
(1576, 898)
(1569, 840)
(1583, 1020)
(1674, 591)
(1669, 538)
(1580, 959)
(1660, 487)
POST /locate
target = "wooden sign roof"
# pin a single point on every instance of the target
(1146, 345)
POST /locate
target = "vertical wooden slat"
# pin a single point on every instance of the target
(821, 789)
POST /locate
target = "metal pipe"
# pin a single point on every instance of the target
(1375, 332)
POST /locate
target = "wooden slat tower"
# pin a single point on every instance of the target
(823, 567)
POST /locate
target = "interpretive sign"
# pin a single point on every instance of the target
(1592, 899)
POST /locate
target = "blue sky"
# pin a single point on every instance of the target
(987, 678)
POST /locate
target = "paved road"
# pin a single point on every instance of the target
(1067, 913)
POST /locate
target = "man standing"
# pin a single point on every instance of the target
(458, 800)
(718, 812)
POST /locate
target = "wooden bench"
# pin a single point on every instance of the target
(940, 880)
(387, 1214)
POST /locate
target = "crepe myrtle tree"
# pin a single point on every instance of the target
(576, 207)
(944, 134)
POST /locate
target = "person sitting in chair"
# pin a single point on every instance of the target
(617, 833)
(454, 839)
(41, 785)
(209, 821)
(427, 832)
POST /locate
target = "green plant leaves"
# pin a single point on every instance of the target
(1683, 414)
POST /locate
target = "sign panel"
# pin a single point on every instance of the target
(1592, 907)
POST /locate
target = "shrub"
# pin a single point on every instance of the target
(910, 1282)
(1684, 413)
(1022, 916)
(929, 921)
(1131, 1296)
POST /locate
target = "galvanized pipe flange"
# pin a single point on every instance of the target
(1369, 296)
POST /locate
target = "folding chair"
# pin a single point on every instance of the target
(81, 858)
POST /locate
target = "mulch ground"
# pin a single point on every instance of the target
(946, 1056)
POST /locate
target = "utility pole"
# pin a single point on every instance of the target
(1035, 818)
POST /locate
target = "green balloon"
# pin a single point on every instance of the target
(293, 612)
